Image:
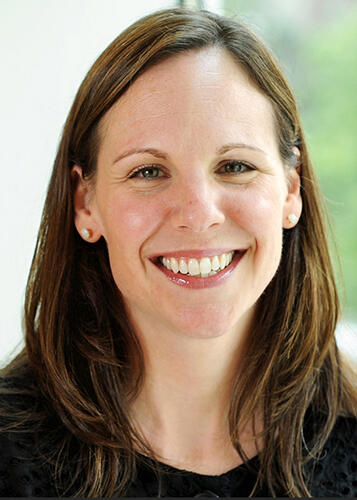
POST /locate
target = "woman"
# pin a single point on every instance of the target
(181, 307)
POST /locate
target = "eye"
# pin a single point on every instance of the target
(235, 167)
(147, 172)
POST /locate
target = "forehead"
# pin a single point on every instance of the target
(203, 93)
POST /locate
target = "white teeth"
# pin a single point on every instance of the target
(183, 266)
(228, 258)
(193, 267)
(222, 261)
(174, 265)
(215, 263)
(207, 266)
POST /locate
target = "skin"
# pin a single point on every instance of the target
(187, 108)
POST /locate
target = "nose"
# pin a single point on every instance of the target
(197, 205)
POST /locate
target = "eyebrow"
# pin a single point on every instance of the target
(238, 145)
(152, 151)
(160, 154)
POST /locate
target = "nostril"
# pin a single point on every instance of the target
(197, 221)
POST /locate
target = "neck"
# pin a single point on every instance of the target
(183, 406)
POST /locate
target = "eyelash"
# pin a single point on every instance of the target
(140, 170)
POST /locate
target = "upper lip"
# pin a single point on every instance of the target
(195, 253)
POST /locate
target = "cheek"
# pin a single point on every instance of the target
(258, 210)
(128, 221)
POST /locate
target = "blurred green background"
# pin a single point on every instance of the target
(315, 42)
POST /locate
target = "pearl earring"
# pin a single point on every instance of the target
(86, 233)
(292, 218)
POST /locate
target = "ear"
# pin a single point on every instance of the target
(84, 216)
(293, 202)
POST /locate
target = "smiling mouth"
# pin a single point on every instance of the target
(204, 272)
(200, 268)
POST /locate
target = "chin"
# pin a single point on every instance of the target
(209, 322)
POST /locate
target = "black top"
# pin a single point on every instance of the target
(25, 456)
(334, 475)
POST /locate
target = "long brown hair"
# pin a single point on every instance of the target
(79, 343)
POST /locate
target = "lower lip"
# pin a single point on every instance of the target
(198, 282)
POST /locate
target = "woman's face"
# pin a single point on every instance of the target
(189, 169)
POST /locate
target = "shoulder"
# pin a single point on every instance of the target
(335, 471)
(23, 472)
(21, 475)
